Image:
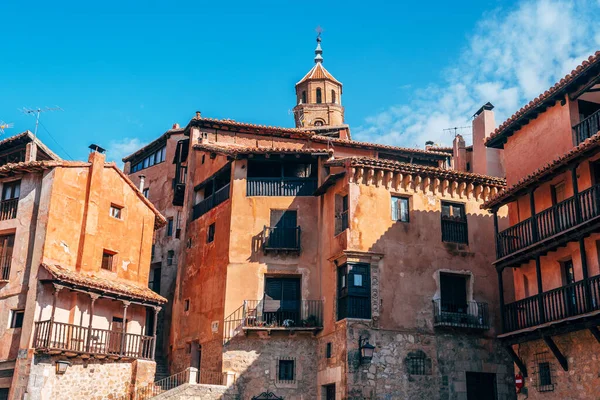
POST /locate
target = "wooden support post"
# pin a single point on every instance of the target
(576, 194)
(498, 249)
(534, 230)
(156, 311)
(501, 293)
(538, 273)
(124, 328)
(584, 270)
(93, 298)
(520, 364)
(594, 330)
(555, 350)
(57, 289)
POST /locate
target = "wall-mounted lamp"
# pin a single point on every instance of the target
(365, 350)
(61, 366)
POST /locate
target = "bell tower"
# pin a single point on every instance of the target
(318, 96)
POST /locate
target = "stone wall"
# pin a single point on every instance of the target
(254, 359)
(195, 392)
(582, 381)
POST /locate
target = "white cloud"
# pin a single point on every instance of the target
(512, 57)
(121, 148)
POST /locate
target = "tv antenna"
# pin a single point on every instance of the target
(4, 125)
(37, 112)
(456, 129)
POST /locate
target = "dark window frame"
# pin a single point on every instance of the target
(16, 318)
(286, 370)
(319, 96)
(354, 301)
(12, 189)
(109, 264)
(210, 233)
(455, 228)
(116, 211)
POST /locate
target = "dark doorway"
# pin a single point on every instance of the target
(571, 294)
(282, 301)
(481, 386)
(196, 356)
(4, 394)
(329, 392)
(453, 288)
(154, 283)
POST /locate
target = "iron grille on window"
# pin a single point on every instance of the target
(417, 363)
(286, 370)
(543, 372)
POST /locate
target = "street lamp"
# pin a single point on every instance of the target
(61, 366)
(365, 349)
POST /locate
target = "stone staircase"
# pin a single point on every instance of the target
(162, 368)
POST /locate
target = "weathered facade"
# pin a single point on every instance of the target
(552, 153)
(75, 240)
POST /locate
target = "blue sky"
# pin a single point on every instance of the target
(125, 71)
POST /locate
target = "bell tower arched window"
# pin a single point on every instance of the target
(319, 99)
(304, 97)
(333, 100)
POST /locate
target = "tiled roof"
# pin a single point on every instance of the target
(27, 137)
(377, 146)
(91, 281)
(524, 183)
(418, 169)
(235, 149)
(318, 72)
(558, 89)
(236, 124)
(162, 137)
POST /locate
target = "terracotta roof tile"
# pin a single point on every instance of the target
(318, 72)
(420, 169)
(563, 84)
(547, 170)
(234, 149)
(377, 146)
(91, 281)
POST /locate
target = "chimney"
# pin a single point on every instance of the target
(198, 115)
(96, 154)
(142, 182)
(459, 154)
(175, 126)
(485, 161)
(429, 144)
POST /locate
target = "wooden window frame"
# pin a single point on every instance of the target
(111, 260)
(116, 211)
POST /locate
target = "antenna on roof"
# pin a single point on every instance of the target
(4, 125)
(37, 112)
(456, 129)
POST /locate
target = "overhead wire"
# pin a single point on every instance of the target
(55, 141)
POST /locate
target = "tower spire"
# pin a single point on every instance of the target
(318, 50)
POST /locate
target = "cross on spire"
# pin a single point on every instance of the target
(318, 50)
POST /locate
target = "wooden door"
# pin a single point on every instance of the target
(453, 288)
(282, 301)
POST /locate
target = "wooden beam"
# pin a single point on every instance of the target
(594, 330)
(585, 88)
(556, 351)
(517, 360)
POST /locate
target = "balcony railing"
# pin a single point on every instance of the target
(455, 231)
(564, 302)
(281, 239)
(281, 186)
(8, 209)
(5, 267)
(550, 222)
(210, 202)
(79, 339)
(471, 315)
(586, 128)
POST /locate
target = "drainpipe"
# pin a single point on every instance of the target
(142, 182)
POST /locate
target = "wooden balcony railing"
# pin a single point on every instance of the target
(455, 231)
(281, 186)
(564, 302)
(210, 202)
(586, 128)
(8, 209)
(79, 339)
(550, 222)
(281, 239)
(471, 315)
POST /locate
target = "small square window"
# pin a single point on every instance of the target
(210, 237)
(358, 282)
(107, 260)
(16, 318)
(400, 209)
(170, 257)
(146, 192)
(286, 370)
(186, 305)
(170, 227)
(115, 211)
(203, 157)
(328, 350)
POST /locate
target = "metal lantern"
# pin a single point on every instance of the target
(366, 350)
(61, 366)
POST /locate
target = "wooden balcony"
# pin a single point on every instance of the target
(8, 209)
(586, 128)
(552, 227)
(72, 340)
(281, 239)
(564, 303)
(471, 315)
(220, 196)
(5, 268)
(281, 186)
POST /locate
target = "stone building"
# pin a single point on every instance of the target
(552, 152)
(302, 248)
(75, 239)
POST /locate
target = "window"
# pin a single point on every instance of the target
(453, 290)
(454, 223)
(11, 190)
(107, 260)
(328, 350)
(153, 251)
(354, 291)
(333, 96)
(7, 243)
(210, 236)
(543, 374)
(319, 99)
(154, 282)
(115, 211)
(170, 257)
(151, 159)
(283, 232)
(400, 209)
(558, 192)
(286, 370)
(170, 226)
(304, 97)
(186, 305)
(146, 192)
(319, 123)
(417, 363)
(203, 158)
(16, 318)
(341, 213)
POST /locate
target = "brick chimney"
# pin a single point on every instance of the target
(459, 154)
(97, 154)
(175, 126)
(485, 161)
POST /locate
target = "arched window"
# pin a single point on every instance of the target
(333, 96)
(304, 97)
(319, 122)
(319, 100)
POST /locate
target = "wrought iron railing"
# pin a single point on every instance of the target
(8, 209)
(160, 386)
(587, 128)
(210, 202)
(564, 302)
(455, 231)
(50, 335)
(550, 222)
(472, 314)
(281, 186)
(280, 238)
(212, 378)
